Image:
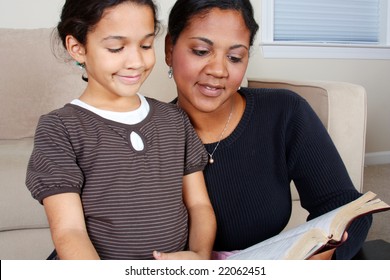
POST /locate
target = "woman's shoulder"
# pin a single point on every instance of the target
(273, 98)
(271, 93)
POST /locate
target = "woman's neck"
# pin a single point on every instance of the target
(214, 126)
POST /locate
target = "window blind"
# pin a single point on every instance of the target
(327, 21)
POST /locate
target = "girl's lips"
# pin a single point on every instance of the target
(129, 80)
(209, 90)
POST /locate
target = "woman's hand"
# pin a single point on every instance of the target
(327, 255)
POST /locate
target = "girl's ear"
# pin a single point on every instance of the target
(75, 49)
(168, 50)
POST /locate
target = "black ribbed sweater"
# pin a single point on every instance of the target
(278, 139)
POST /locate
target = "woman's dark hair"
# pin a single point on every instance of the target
(184, 10)
(78, 17)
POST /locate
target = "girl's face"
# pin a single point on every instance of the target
(209, 59)
(119, 53)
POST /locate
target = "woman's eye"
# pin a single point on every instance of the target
(234, 59)
(200, 52)
(115, 50)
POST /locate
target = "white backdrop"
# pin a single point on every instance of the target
(46, 13)
(372, 74)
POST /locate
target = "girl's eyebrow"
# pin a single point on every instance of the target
(209, 42)
(121, 38)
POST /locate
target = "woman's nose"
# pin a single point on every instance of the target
(217, 66)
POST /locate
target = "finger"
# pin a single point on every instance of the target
(157, 255)
(163, 256)
(326, 255)
(345, 236)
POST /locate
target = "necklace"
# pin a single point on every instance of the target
(211, 159)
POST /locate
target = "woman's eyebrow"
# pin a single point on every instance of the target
(209, 42)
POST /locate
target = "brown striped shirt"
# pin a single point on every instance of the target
(132, 199)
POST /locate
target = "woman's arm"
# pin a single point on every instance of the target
(67, 225)
(321, 177)
(202, 222)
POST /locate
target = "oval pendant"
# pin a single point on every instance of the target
(136, 141)
(211, 160)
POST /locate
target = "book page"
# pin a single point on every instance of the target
(296, 242)
(303, 242)
(361, 206)
(280, 243)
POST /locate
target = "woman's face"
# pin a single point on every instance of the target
(209, 59)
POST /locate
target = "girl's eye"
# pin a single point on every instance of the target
(234, 59)
(200, 52)
(115, 50)
(146, 47)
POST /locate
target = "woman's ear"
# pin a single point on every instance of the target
(75, 49)
(168, 50)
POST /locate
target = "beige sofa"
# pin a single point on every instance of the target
(33, 82)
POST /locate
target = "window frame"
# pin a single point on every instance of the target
(272, 49)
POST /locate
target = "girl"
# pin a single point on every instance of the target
(119, 175)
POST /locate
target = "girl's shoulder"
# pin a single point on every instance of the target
(59, 113)
(165, 107)
(68, 114)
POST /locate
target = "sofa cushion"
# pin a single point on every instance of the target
(28, 244)
(33, 80)
(19, 210)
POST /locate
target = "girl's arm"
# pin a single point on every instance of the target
(67, 225)
(202, 222)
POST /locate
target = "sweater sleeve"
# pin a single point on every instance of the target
(320, 175)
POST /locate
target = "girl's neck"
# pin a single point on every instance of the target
(112, 103)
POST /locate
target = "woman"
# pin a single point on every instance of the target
(258, 140)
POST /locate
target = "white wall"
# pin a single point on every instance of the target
(374, 75)
(46, 13)
(30, 13)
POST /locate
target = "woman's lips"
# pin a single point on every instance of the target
(210, 90)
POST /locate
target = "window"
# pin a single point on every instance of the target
(326, 29)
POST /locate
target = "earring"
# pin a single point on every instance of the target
(170, 72)
(81, 65)
(84, 76)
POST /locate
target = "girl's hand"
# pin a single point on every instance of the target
(182, 255)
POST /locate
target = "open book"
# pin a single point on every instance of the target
(315, 235)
